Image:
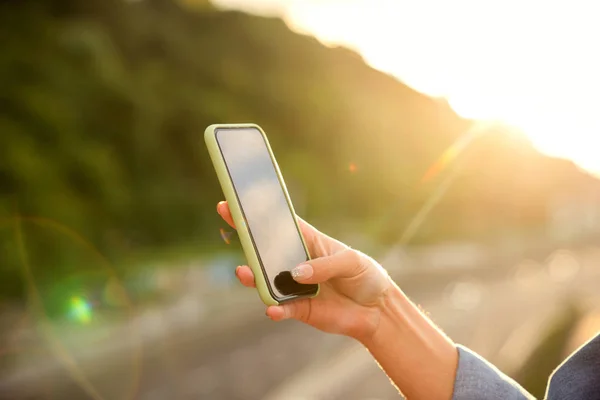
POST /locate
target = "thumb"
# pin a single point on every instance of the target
(345, 264)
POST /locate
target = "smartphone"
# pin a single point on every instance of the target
(261, 209)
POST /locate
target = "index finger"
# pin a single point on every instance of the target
(318, 243)
(223, 209)
(225, 213)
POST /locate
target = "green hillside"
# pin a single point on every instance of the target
(103, 104)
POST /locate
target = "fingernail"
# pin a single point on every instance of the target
(219, 207)
(302, 271)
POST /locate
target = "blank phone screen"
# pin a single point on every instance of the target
(266, 211)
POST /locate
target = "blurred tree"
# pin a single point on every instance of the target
(104, 102)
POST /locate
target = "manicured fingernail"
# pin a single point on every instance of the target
(302, 271)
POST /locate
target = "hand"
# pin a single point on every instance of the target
(353, 286)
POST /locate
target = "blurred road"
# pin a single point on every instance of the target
(238, 353)
(500, 317)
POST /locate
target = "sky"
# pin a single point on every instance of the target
(529, 63)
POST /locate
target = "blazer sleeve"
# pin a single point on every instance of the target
(578, 378)
(477, 379)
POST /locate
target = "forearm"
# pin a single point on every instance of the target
(413, 352)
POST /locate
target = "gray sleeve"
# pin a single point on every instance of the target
(577, 377)
(477, 379)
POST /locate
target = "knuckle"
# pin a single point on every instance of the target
(298, 310)
(290, 310)
(329, 267)
(356, 261)
(318, 247)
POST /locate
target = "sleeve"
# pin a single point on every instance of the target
(477, 379)
(577, 377)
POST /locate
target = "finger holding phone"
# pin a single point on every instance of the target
(352, 285)
(303, 274)
(299, 272)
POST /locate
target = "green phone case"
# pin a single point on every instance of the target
(236, 211)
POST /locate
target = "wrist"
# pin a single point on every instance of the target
(391, 316)
(368, 318)
(413, 352)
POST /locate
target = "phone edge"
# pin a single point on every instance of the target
(236, 212)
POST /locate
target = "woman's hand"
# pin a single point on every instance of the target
(358, 299)
(353, 286)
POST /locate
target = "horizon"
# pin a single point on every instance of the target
(504, 81)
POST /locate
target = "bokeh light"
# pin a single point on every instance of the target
(80, 310)
(527, 273)
(51, 310)
(563, 266)
(105, 140)
(465, 295)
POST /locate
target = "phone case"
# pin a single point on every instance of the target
(236, 211)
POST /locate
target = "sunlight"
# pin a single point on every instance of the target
(531, 64)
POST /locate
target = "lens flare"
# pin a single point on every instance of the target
(81, 310)
(449, 155)
(352, 168)
(225, 235)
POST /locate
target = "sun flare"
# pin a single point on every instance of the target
(529, 63)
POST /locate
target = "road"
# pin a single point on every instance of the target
(251, 357)
(501, 318)
(240, 354)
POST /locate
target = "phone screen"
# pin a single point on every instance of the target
(266, 211)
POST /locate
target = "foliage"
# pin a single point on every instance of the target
(103, 104)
